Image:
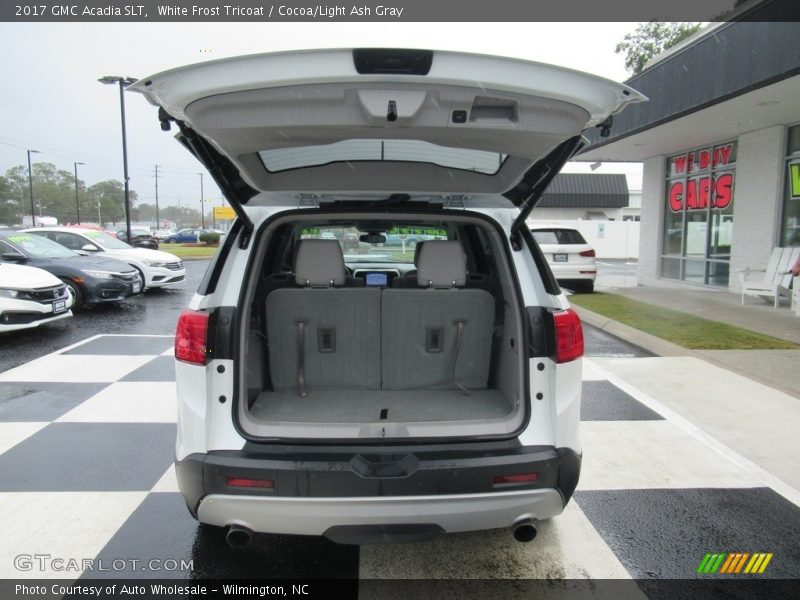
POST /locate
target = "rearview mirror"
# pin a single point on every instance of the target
(372, 238)
(14, 257)
(89, 248)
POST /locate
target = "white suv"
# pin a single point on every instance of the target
(392, 391)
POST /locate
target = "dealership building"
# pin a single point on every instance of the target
(720, 144)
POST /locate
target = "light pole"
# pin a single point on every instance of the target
(77, 201)
(202, 208)
(158, 223)
(123, 83)
(30, 184)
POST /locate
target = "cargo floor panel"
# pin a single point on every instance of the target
(369, 406)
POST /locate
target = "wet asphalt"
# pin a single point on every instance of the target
(154, 312)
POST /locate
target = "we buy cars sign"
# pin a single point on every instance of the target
(711, 189)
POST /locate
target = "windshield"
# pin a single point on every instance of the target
(283, 159)
(107, 241)
(37, 246)
(397, 246)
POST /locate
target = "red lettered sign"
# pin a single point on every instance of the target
(701, 192)
(701, 160)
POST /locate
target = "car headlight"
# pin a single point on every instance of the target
(98, 274)
(9, 293)
(155, 263)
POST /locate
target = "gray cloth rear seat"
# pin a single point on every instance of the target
(420, 339)
(341, 345)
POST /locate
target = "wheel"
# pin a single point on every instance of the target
(172, 241)
(141, 274)
(588, 287)
(76, 292)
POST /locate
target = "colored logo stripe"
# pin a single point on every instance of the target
(734, 562)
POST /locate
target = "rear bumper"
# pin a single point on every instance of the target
(335, 516)
(315, 489)
(574, 272)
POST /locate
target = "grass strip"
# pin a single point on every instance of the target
(189, 252)
(677, 327)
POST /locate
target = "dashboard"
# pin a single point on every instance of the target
(379, 275)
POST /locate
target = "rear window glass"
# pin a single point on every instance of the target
(398, 245)
(480, 161)
(558, 236)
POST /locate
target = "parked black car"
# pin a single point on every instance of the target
(91, 279)
(142, 238)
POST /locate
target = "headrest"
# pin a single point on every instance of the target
(319, 263)
(442, 264)
(417, 250)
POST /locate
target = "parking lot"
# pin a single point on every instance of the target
(86, 444)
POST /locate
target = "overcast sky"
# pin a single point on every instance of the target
(51, 100)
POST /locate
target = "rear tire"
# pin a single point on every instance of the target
(588, 288)
(76, 291)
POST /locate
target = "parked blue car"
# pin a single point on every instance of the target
(184, 236)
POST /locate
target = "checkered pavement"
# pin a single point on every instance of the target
(86, 446)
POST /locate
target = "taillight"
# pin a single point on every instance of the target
(587, 253)
(569, 335)
(190, 337)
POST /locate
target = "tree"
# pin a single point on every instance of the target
(10, 205)
(109, 195)
(54, 195)
(650, 40)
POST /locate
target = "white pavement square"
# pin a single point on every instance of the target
(66, 525)
(12, 434)
(128, 402)
(168, 482)
(86, 368)
(652, 454)
(757, 421)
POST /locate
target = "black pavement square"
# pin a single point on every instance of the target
(161, 368)
(161, 528)
(665, 534)
(108, 457)
(126, 345)
(603, 401)
(42, 401)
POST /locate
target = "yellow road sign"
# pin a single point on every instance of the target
(224, 213)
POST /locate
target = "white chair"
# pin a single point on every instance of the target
(796, 296)
(776, 278)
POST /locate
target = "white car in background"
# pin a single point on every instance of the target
(571, 259)
(157, 268)
(30, 297)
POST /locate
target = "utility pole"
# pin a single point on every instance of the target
(30, 183)
(202, 208)
(158, 222)
(77, 201)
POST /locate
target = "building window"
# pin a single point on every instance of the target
(698, 215)
(790, 230)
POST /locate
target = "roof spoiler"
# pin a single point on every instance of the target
(527, 193)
